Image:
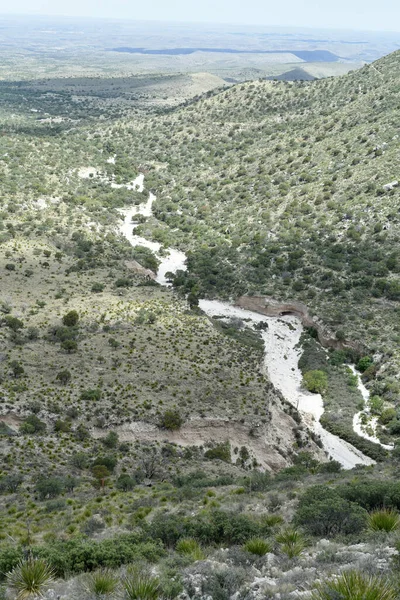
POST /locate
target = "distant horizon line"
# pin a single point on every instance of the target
(198, 23)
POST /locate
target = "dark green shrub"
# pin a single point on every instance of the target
(219, 452)
(32, 424)
(71, 318)
(171, 419)
(323, 512)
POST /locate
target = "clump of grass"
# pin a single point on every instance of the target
(258, 546)
(385, 519)
(30, 578)
(102, 582)
(292, 542)
(191, 548)
(352, 585)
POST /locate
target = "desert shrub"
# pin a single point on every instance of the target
(32, 424)
(332, 466)
(384, 520)
(364, 363)
(70, 319)
(257, 481)
(10, 483)
(223, 583)
(92, 395)
(171, 420)
(125, 483)
(323, 512)
(258, 546)
(10, 556)
(315, 381)
(79, 555)
(97, 287)
(219, 452)
(49, 487)
(216, 526)
(352, 585)
(110, 462)
(111, 440)
(372, 494)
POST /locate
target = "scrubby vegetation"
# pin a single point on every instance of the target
(145, 454)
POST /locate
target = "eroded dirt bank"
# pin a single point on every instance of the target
(270, 307)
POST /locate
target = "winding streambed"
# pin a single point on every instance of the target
(280, 339)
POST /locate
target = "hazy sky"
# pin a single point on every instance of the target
(346, 14)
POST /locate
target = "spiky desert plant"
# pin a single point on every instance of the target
(385, 519)
(292, 542)
(139, 585)
(191, 548)
(30, 578)
(258, 546)
(353, 585)
(102, 582)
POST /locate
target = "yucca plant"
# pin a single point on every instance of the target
(258, 546)
(272, 520)
(141, 586)
(191, 548)
(30, 578)
(292, 542)
(352, 585)
(102, 583)
(385, 519)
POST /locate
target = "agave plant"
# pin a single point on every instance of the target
(30, 578)
(352, 585)
(191, 548)
(292, 542)
(102, 582)
(386, 519)
(258, 546)
(141, 586)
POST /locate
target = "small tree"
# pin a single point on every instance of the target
(70, 346)
(71, 318)
(125, 483)
(64, 376)
(16, 369)
(13, 323)
(111, 440)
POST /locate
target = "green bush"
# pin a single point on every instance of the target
(315, 381)
(32, 424)
(372, 494)
(323, 512)
(219, 452)
(171, 420)
(79, 555)
(71, 318)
